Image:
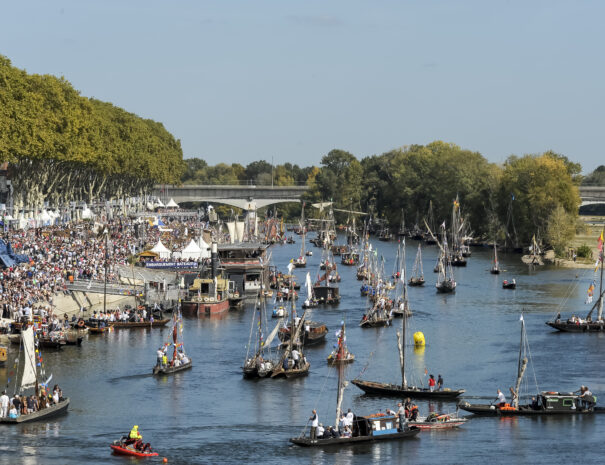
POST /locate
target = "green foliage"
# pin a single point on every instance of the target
(560, 229)
(63, 141)
(584, 251)
(596, 178)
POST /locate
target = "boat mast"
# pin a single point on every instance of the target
(522, 364)
(401, 345)
(106, 233)
(341, 387)
(601, 256)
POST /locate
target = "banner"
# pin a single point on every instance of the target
(164, 265)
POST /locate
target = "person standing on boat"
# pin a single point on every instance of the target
(431, 383)
(439, 383)
(296, 358)
(314, 425)
(4, 401)
(403, 423)
(349, 417)
(501, 399)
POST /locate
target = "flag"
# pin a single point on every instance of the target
(600, 242)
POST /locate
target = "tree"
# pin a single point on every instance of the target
(596, 178)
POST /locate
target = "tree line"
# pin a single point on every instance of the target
(62, 146)
(527, 195)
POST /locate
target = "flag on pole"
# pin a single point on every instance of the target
(600, 242)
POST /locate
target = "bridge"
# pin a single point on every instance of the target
(247, 197)
(592, 195)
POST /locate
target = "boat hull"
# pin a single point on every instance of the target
(492, 411)
(384, 389)
(119, 450)
(201, 308)
(306, 442)
(48, 412)
(564, 326)
(170, 370)
(140, 324)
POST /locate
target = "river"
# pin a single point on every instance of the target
(211, 415)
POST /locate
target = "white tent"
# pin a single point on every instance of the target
(161, 250)
(172, 204)
(191, 251)
(204, 247)
(159, 203)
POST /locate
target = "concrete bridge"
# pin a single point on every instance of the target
(248, 197)
(592, 195)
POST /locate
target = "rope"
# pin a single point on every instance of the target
(570, 289)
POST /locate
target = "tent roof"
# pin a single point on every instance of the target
(159, 248)
(192, 247)
(172, 203)
(148, 253)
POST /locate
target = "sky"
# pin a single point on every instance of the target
(288, 81)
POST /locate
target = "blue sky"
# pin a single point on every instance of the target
(238, 81)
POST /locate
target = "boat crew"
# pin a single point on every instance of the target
(314, 425)
(501, 399)
(439, 383)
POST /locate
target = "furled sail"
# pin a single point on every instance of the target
(29, 364)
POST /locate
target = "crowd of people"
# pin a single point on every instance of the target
(24, 405)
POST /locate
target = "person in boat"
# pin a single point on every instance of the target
(535, 405)
(349, 417)
(321, 431)
(403, 422)
(501, 399)
(4, 403)
(558, 318)
(586, 398)
(296, 358)
(439, 383)
(513, 394)
(314, 425)
(347, 432)
(431, 383)
(342, 422)
(160, 355)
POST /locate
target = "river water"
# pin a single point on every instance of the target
(210, 414)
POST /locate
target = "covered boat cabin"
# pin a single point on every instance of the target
(246, 265)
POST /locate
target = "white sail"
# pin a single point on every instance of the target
(231, 229)
(273, 333)
(309, 287)
(239, 231)
(29, 363)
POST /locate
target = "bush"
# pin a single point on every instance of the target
(584, 251)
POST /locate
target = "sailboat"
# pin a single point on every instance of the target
(310, 301)
(180, 360)
(456, 257)
(287, 367)
(545, 402)
(259, 365)
(534, 257)
(404, 389)
(301, 261)
(32, 369)
(370, 428)
(495, 269)
(401, 303)
(586, 325)
(341, 355)
(445, 279)
(417, 278)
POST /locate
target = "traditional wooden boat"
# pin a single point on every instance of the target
(377, 427)
(139, 324)
(260, 363)
(376, 317)
(179, 360)
(404, 389)
(576, 324)
(73, 337)
(495, 269)
(33, 367)
(341, 355)
(417, 278)
(438, 421)
(313, 333)
(287, 367)
(509, 284)
(545, 402)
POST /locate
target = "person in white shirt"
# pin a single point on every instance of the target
(296, 357)
(501, 399)
(4, 401)
(349, 418)
(320, 430)
(314, 425)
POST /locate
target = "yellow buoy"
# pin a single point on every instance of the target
(419, 339)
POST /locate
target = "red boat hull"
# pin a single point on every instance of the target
(201, 308)
(125, 451)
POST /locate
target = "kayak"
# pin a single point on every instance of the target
(118, 449)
